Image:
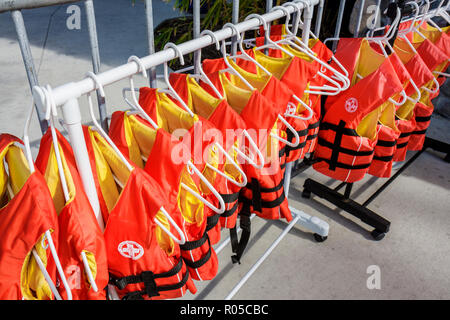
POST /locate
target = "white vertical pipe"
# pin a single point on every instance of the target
(196, 31)
(72, 121)
(151, 40)
(95, 53)
(234, 20)
(307, 18)
(337, 31)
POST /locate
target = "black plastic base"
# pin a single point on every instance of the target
(344, 202)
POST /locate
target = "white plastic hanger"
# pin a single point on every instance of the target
(100, 130)
(170, 89)
(142, 113)
(246, 56)
(49, 114)
(201, 75)
(233, 71)
(135, 104)
(292, 40)
(403, 34)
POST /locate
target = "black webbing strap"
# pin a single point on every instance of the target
(212, 221)
(405, 134)
(386, 143)
(231, 211)
(419, 132)
(384, 158)
(402, 145)
(191, 245)
(238, 246)
(256, 195)
(339, 127)
(197, 264)
(343, 165)
(423, 119)
(351, 152)
(148, 279)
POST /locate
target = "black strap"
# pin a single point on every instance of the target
(238, 246)
(343, 165)
(423, 119)
(231, 211)
(148, 278)
(314, 125)
(191, 245)
(211, 222)
(419, 132)
(197, 264)
(256, 195)
(384, 159)
(351, 152)
(339, 127)
(402, 145)
(229, 198)
(386, 143)
(405, 134)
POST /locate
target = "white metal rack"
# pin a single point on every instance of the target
(66, 96)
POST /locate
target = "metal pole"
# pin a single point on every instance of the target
(377, 13)
(28, 61)
(196, 30)
(307, 18)
(234, 20)
(95, 52)
(269, 5)
(151, 40)
(63, 93)
(262, 258)
(319, 18)
(9, 5)
(358, 22)
(337, 31)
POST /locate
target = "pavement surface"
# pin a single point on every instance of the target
(413, 259)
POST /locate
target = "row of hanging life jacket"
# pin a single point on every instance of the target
(134, 256)
(362, 131)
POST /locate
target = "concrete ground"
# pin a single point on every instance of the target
(413, 258)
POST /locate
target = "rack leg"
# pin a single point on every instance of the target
(28, 61)
(261, 259)
(364, 214)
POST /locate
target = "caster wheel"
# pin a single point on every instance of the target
(306, 194)
(377, 235)
(319, 238)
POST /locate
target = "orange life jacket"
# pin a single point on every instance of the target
(348, 132)
(389, 127)
(138, 140)
(26, 214)
(225, 119)
(296, 73)
(143, 261)
(198, 144)
(78, 229)
(265, 195)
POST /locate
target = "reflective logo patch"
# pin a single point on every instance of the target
(351, 105)
(130, 249)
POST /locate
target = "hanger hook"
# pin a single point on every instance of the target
(261, 21)
(177, 50)
(213, 37)
(140, 65)
(97, 83)
(286, 11)
(234, 28)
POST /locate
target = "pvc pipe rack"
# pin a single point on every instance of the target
(67, 96)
